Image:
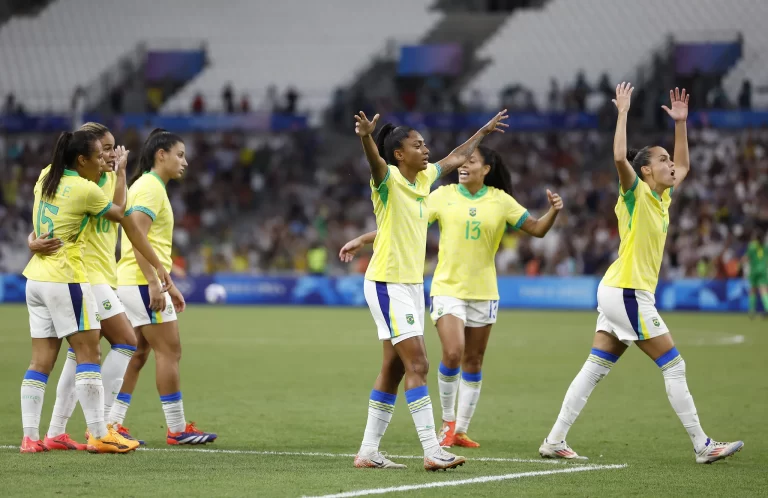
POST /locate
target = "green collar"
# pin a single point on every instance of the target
(102, 180)
(463, 191)
(156, 176)
(70, 172)
(653, 192)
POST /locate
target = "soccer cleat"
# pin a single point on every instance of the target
(123, 431)
(190, 435)
(113, 442)
(461, 439)
(30, 446)
(442, 460)
(63, 442)
(714, 451)
(446, 435)
(377, 460)
(559, 450)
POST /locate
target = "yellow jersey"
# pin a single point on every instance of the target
(147, 195)
(65, 216)
(471, 228)
(643, 222)
(402, 217)
(100, 262)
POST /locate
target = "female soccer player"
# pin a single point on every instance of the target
(101, 269)
(401, 177)
(473, 216)
(151, 311)
(625, 300)
(59, 298)
(756, 257)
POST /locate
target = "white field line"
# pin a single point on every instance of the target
(336, 455)
(475, 480)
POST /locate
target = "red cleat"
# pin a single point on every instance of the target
(63, 442)
(30, 446)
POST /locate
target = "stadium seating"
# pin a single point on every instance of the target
(612, 36)
(253, 44)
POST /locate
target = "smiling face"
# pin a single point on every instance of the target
(472, 173)
(413, 152)
(110, 157)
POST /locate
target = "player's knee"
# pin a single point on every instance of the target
(139, 357)
(42, 366)
(452, 356)
(473, 362)
(418, 367)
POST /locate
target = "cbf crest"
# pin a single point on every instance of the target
(472, 211)
(409, 319)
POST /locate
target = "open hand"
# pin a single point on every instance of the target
(45, 246)
(349, 250)
(679, 102)
(623, 94)
(364, 127)
(496, 124)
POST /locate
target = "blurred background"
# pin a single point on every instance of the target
(277, 182)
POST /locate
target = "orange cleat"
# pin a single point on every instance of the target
(190, 435)
(461, 439)
(30, 446)
(63, 442)
(111, 443)
(447, 436)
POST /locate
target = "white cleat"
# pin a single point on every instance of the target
(442, 460)
(376, 460)
(558, 450)
(714, 451)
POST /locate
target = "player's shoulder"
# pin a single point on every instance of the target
(443, 191)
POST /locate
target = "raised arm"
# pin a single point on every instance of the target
(347, 253)
(679, 112)
(461, 154)
(117, 210)
(364, 129)
(538, 227)
(627, 175)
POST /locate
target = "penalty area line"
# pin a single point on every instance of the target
(475, 480)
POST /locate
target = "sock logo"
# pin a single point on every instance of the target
(107, 305)
(409, 319)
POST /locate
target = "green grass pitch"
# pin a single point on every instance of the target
(296, 380)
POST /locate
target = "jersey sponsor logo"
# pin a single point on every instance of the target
(656, 322)
(472, 211)
(107, 305)
(409, 319)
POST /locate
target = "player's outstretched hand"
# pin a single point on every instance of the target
(555, 200)
(679, 102)
(496, 123)
(349, 250)
(364, 127)
(623, 95)
(44, 246)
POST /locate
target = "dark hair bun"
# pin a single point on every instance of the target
(632, 154)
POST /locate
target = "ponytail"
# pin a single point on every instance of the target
(389, 139)
(157, 139)
(638, 159)
(68, 148)
(498, 176)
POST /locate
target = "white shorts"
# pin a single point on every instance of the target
(135, 298)
(58, 310)
(397, 309)
(628, 314)
(472, 313)
(107, 301)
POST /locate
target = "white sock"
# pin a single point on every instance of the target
(173, 407)
(673, 368)
(119, 409)
(448, 382)
(90, 393)
(113, 371)
(421, 411)
(32, 395)
(66, 397)
(469, 393)
(381, 407)
(597, 366)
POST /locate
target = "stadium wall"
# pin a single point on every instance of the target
(574, 293)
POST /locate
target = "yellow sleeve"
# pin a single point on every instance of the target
(96, 203)
(434, 202)
(433, 172)
(515, 213)
(146, 201)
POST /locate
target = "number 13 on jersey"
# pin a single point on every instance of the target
(472, 230)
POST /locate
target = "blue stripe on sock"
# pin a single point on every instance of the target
(383, 397)
(70, 350)
(169, 398)
(667, 357)
(125, 398)
(472, 377)
(33, 375)
(124, 346)
(87, 367)
(416, 394)
(604, 355)
(448, 372)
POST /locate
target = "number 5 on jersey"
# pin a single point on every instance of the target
(42, 218)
